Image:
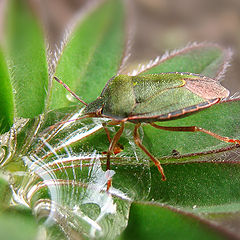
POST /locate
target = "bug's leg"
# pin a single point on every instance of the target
(197, 129)
(139, 144)
(69, 90)
(106, 131)
(118, 147)
(111, 149)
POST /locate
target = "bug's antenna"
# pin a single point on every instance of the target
(69, 90)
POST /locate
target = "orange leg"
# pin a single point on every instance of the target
(197, 129)
(139, 144)
(111, 148)
(118, 147)
(107, 132)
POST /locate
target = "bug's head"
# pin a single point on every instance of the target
(94, 108)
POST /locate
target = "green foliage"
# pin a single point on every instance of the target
(6, 96)
(54, 165)
(27, 60)
(220, 119)
(207, 59)
(17, 223)
(92, 54)
(144, 222)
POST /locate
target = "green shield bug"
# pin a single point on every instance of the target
(153, 98)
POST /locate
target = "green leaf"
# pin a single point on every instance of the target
(27, 60)
(92, 55)
(6, 96)
(226, 220)
(57, 167)
(65, 170)
(17, 223)
(222, 119)
(152, 221)
(5, 194)
(200, 187)
(204, 58)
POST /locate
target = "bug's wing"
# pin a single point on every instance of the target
(206, 88)
(168, 98)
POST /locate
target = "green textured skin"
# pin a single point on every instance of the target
(154, 97)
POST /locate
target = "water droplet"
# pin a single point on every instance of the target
(70, 97)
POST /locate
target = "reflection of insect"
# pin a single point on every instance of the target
(152, 98)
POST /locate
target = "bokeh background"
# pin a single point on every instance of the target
(163, 25)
